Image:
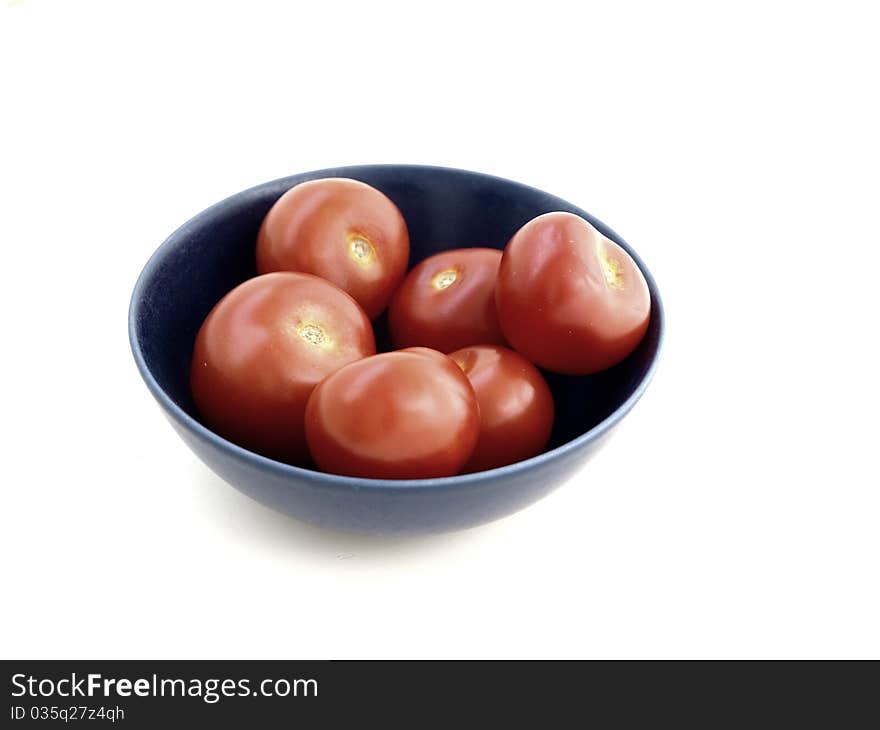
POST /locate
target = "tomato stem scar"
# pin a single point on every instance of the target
(444, 279)
(313, 334)
(360, 249)
(612, 270)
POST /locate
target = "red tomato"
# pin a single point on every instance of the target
(570, 299)
(516, 405)
(448, 302)
(410, 414)
(262, 350)
(341, 230)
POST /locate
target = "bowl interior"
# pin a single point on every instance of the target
(443, 208)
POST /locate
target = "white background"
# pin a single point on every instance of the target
(734, 513)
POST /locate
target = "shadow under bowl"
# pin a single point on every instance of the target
(444, 208)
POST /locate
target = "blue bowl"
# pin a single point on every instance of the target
(444, 208)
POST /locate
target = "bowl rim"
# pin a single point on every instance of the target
(336, 480)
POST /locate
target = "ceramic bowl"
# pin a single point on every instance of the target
(444, 208)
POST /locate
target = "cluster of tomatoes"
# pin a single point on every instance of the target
(286, 365)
